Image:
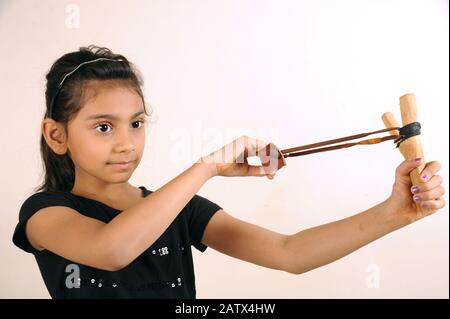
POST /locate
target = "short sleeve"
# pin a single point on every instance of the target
(32, 205)
(200, 212)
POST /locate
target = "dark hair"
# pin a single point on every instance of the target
(64, 97)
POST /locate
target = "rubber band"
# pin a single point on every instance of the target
(407, 131)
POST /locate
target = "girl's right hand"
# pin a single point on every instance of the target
(231, 160)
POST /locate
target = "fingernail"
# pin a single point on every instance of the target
(418, 160)
(415, 189)
(416, 198)
(424, 205)
(424, 177)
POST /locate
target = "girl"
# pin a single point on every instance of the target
(93, 234)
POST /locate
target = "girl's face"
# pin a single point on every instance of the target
(109, 129)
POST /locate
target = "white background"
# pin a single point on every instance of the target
(290, 72)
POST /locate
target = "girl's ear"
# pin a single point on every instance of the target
(55, 136)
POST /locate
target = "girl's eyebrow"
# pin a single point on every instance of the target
(109, 116)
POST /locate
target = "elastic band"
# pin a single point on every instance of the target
(407, 131)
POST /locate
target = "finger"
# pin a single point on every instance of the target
(259, 171)
(246, 146)
(270, 176)
(430, 169)
(430, 195)
(402, 171)
(245, 139)
(435, 181)
(256, 171)
(254, 144)
(433, 204)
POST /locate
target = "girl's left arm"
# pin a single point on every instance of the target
(315, 247)
(301, 252)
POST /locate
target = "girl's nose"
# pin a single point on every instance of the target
(124, 143)
(128, 147)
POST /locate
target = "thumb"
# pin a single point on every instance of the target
(403, 170)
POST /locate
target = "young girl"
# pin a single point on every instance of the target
(94, 235)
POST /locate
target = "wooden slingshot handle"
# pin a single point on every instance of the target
(410, 148)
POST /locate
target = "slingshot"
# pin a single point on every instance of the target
(406, 138)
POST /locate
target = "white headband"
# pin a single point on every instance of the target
(50, 111)
(81, 64)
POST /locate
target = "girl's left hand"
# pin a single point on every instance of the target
(428, 194)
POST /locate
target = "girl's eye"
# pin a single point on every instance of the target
(140, 123)
(103, 128)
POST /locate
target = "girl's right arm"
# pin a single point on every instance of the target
(114, 245)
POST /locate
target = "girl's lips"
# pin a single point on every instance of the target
(121, 165)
